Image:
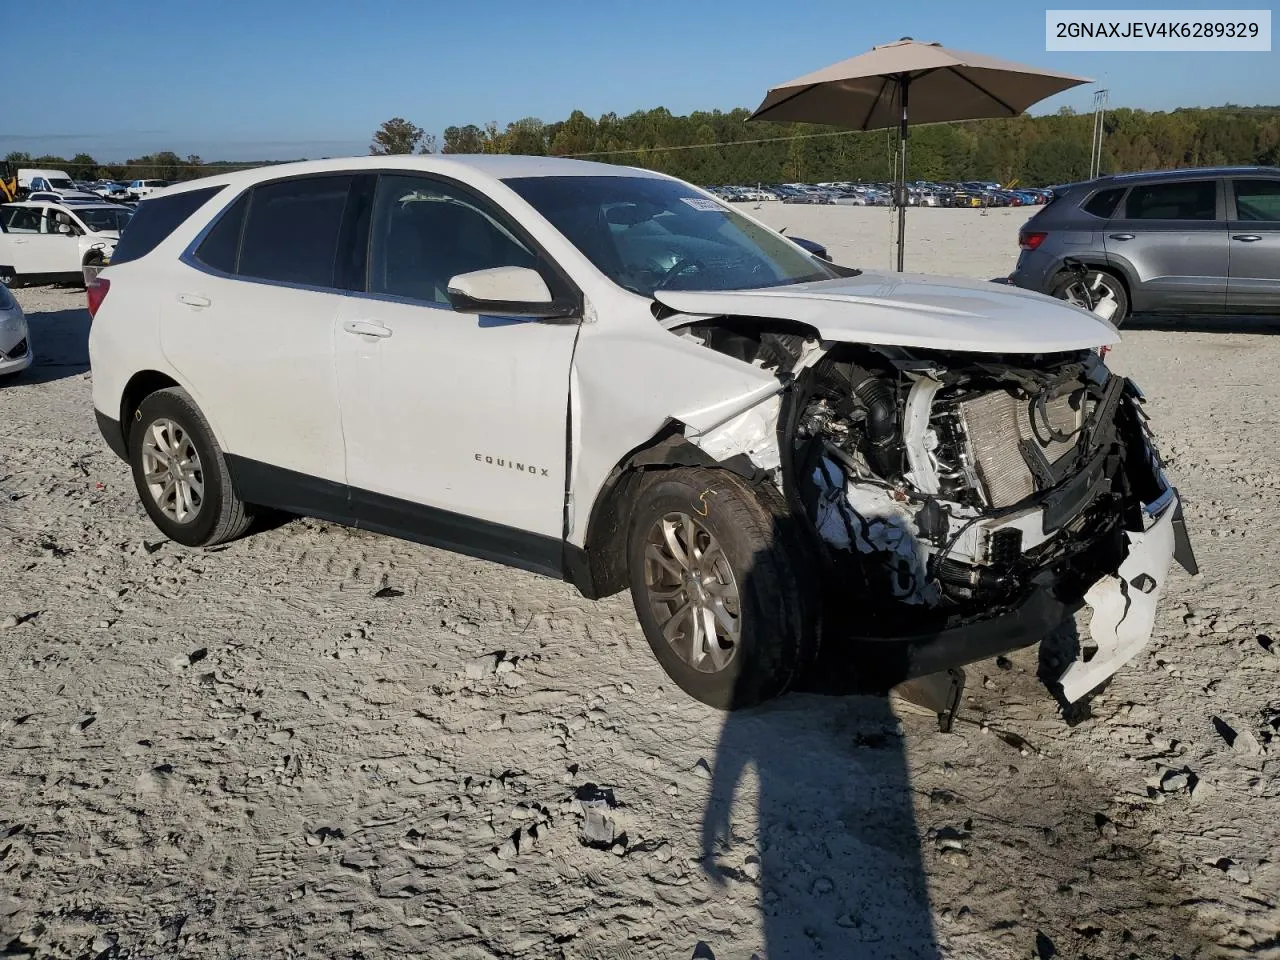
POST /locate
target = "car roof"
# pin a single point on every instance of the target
(498, 166)
(1179, 173)
(68, 204)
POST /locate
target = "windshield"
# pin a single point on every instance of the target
(61, 183)
(98, 219)
(648, 234)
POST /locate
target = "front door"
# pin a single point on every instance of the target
(1173, 239)
(455, 424)
(1254, 229)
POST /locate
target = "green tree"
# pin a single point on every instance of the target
(396, 135)
(468, 139)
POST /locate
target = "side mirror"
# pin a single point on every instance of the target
(64, 229)
(504, 292)
(817, 249)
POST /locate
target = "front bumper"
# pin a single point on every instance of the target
(1123, 605)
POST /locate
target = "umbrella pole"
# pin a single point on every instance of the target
(904, 84)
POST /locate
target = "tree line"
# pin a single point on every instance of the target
(722, 147)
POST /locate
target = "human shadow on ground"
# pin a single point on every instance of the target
(834, 849)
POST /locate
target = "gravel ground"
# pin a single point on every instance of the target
(322, 742)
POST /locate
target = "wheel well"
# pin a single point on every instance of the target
(1110, 269)
(140, 386)
(605, 545)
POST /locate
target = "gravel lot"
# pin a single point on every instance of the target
(321, 742)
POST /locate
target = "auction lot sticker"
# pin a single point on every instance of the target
(1158, 30)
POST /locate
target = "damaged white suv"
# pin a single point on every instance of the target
(607, 375)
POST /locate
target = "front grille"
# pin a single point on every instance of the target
(17, 351)
(998, 423)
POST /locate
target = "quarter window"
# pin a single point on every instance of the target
(221, 245)
(1257, 199)
(425, 232)
(1180, 200)
(291, 234)
(1103, 203)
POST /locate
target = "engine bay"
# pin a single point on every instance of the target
(945, 481)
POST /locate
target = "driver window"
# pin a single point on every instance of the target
(425, 232)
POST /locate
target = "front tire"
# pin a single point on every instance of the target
(10, 278)
(181, 475)
(720, 586)
(1101, 283)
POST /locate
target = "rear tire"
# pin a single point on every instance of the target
(181, 474)
(721, 586)
(1067, 287)
(10, 278)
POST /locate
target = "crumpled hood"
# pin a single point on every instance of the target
(912, 310)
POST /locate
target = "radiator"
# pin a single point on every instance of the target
(996, 423)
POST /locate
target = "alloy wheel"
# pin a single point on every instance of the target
(692, 592)
(172, 471)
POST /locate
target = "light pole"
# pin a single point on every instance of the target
(1095, 149)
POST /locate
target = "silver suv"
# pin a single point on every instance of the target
(1176, 241)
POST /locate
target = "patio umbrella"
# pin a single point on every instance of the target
(871, 92)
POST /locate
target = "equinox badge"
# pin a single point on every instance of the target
(512, 465)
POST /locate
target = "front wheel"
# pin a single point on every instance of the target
(720, 586)
(9, 277)
(1093, 287)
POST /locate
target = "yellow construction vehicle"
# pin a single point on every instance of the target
(8, 182)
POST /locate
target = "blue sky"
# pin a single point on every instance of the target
(277, 80)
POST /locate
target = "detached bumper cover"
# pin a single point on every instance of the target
(1124, 603)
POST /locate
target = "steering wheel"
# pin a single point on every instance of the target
(680, 266)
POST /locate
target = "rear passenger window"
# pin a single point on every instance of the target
(1181, 200)
(1103, 203)
(1257, 199)
(155, 219)
(291, 235)
(221, 245)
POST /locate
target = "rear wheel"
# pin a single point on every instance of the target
(9, 277)
(1096, 285)
(180, 473)
(720, 586)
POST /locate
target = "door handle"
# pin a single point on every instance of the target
(1120, 236)
(16, 241)
(194, 300)
(367, 328)
(1246, 237)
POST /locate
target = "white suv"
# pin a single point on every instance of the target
(607, 375)
(52, 242)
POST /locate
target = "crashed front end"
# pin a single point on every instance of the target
(966, 504)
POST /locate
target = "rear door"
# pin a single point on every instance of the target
(33, 246)
(249, 324)
(1172, 238)
(1254, 231)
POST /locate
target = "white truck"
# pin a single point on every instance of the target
(51, 181)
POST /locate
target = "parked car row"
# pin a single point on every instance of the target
(920, 193)
(41, 184)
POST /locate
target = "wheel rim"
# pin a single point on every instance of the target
(692, 592)
(1077, 293)
(171, 470)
